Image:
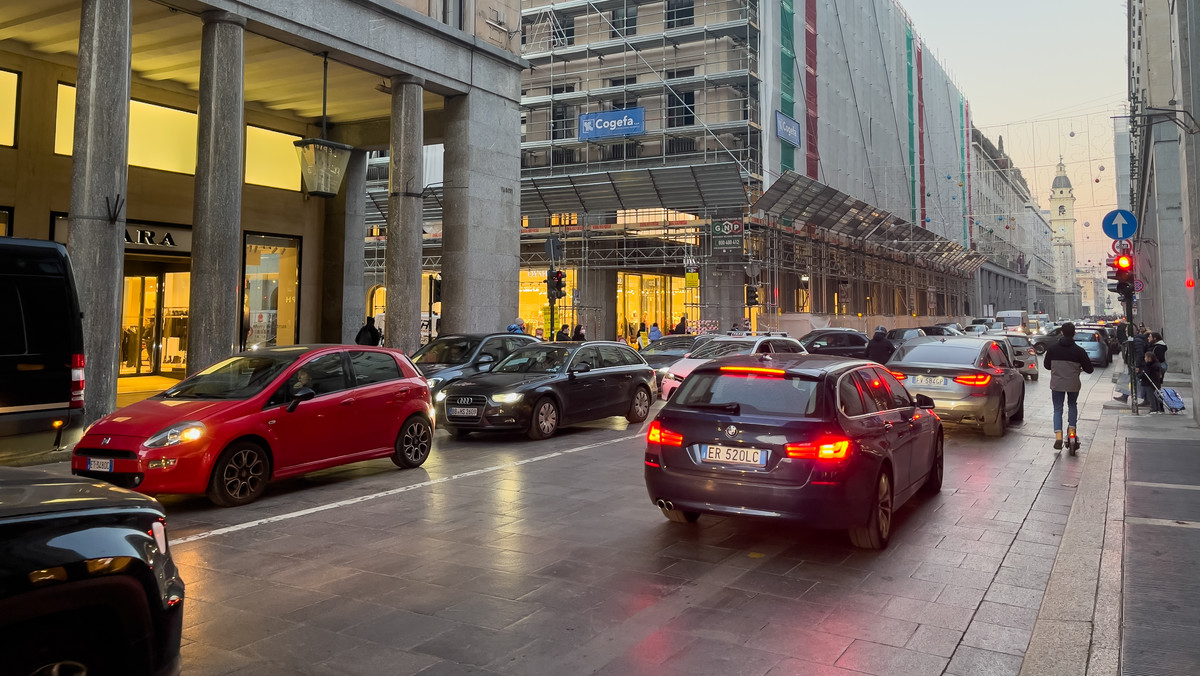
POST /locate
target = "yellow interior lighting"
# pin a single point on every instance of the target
(271, 159)
(8, 107)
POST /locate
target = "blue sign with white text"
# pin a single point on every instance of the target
(787, 129)
(608, 124)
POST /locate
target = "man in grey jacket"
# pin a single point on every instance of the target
(1065, 360)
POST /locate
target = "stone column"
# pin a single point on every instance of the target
(406, 181)
(343, 299)
(216, 297)
(98, 191)
(481, 222)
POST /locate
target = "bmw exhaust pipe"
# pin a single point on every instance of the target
(665, 504)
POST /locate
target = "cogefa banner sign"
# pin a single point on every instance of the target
(628, 122)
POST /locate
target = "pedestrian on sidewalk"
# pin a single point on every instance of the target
(564, 333)
(655, 332)
(1135, 351)
(1152, 372)
(1065, 361)
(368, 334)
(517, 326)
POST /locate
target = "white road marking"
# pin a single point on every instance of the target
(394, 491)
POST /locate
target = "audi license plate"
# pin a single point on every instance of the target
(929, 380)
(734, 456)
(100, 464)
(464, 411)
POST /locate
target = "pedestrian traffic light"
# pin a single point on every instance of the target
(751, 296)
(560, 284)
(1121, 275)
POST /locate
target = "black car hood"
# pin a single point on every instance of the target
(484, 383)
(25, 492)
(660, 360)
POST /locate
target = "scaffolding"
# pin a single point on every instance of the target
(693, 67)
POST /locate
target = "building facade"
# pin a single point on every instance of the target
(157, 141)
(1164, 95)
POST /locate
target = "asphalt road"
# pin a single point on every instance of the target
(506, 556)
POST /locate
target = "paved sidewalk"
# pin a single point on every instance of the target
(1112, 605)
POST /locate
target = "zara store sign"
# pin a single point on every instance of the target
(143, 237)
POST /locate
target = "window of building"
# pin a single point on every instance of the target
(564, 219)
(565, 33)
(164, 138)
(6, 221)
(624, 21)
(271, 159)
(681, 106)
(10, 86)
(680, 13)
(562, 116)
(271, 300)
(626, 100)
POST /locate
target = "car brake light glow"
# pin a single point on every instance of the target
(825, 448)
(663, 437)
(77, 364)
(752, 369)
(897, 375)
(974, 379)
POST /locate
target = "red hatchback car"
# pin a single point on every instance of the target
(263, 415)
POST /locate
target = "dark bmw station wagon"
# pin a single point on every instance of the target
(830, 442)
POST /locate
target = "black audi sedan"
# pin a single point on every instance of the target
(540, 387)
(461, 355)
(832, 443)
(87, 582)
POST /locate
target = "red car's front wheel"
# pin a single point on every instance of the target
(240, 475)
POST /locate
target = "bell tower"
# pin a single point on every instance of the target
(1067, 301)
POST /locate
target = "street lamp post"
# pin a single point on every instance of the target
(323, 163)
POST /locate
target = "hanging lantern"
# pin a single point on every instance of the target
(323, 163)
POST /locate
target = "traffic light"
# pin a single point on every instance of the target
(556, 284)
(437, 289)
(1121, 275)
(751, 296)
(560, 284)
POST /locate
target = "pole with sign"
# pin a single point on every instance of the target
(1120, 224)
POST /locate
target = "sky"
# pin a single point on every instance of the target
(1048, 76)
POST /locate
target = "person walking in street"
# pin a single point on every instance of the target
(1065, 360)
(1135, 352)
(655, 332)
(879, 348)
(580, 334)
(681, 328)
(564, 333)
(517, 326)
(368, 334)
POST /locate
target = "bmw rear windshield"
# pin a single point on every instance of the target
(748, 393)
(937, 353)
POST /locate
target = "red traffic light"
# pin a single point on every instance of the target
(1123, 263)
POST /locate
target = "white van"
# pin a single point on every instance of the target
(1014, 320)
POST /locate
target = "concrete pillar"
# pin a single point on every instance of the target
(406, 182)
(722, 291)
(343, 297)
(216, 296)
(98, 191)
(481, 218)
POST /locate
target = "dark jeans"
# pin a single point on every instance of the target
(1072, 408)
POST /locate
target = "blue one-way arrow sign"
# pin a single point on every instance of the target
(1120, 224)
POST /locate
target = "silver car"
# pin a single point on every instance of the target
(971, 380)
(1094, 344)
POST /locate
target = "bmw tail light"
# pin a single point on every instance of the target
(897, 375)
(974, 379)
(663, 437)
(826, 448)
(77, 364)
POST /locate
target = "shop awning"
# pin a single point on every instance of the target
(811, 202)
